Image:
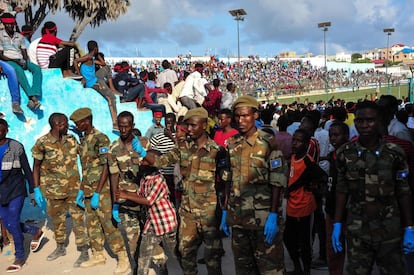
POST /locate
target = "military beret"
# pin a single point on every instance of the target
(245, 101)
(197, 112)
(80, 114)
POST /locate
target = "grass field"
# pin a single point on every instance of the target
(397, 91)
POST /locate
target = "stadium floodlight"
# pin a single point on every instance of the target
(388, 31)
(324, 26)
(238, 15)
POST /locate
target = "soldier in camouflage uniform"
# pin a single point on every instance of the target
(372, 185)
(199, 222)
(95, 190)
(123, 167)
(252, 204)
(56, 171)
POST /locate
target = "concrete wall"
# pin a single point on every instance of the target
(62, 95)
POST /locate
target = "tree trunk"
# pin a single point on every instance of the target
(80, 26)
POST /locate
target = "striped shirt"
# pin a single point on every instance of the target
(162, 216)
(163, 144)
(47, 47)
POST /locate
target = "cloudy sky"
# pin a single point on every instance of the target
(168, 28)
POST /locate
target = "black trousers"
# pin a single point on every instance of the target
(297, 239)
(62, 59)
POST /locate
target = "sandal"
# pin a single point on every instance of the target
(37, 241)
(16, 266)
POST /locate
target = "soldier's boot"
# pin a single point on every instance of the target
(59, 251)
(96, 259)
(123, 266)
(83, 257)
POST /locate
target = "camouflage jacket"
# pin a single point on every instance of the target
(198, 168)
(94, 149)
(125, 163)
(59, 173)
(257, 165)
(373, 181)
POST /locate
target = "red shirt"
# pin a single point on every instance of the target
(213, 104)
(221, 137)
(46, 48)
(301, 203)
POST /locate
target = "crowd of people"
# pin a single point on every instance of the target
(212, 165)
(345, 172)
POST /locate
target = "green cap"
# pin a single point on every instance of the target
(80, 114)
(246, 101)
(197, 112)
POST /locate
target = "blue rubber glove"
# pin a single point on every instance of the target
(336, 234)
(95, 200)
(408, 241)
(270, 228)
(40, 201)
(136, 145)
(80, 198)
(223, 223)
(115, 212)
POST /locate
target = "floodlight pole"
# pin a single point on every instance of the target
(388, 31)
(324, 26)
(238, 16)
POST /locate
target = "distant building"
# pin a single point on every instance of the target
(287, 55)
(343, 57)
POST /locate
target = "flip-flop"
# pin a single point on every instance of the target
(14, 268)
(35, 244)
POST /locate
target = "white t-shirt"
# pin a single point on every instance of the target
(31, 51)
(165, 76)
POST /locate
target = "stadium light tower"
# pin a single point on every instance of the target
(324, 26)
(238, 16)
(388, 31)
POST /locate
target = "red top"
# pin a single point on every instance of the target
(213, 104)
(221, 138)
(301, 203)
(50, 39)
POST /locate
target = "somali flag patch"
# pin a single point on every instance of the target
(275, 163)
(103, 150)
(402, 174)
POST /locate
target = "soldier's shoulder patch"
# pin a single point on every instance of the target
(103, 150)
(275, 163)
(402, 174)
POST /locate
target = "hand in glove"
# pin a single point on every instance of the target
(270, 228)
(408, 241)
(336, 234)
(115, 212)
(223, 223)
(80, 198)
(95, 200)
(136, 145)
(40, 201)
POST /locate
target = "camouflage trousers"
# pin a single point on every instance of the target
(130, 223)
(362, 254)
(252, 255)
(100, 224)
(150, 244)
(57, 210)
(195, 229)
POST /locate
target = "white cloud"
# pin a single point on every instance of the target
(270, 26)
